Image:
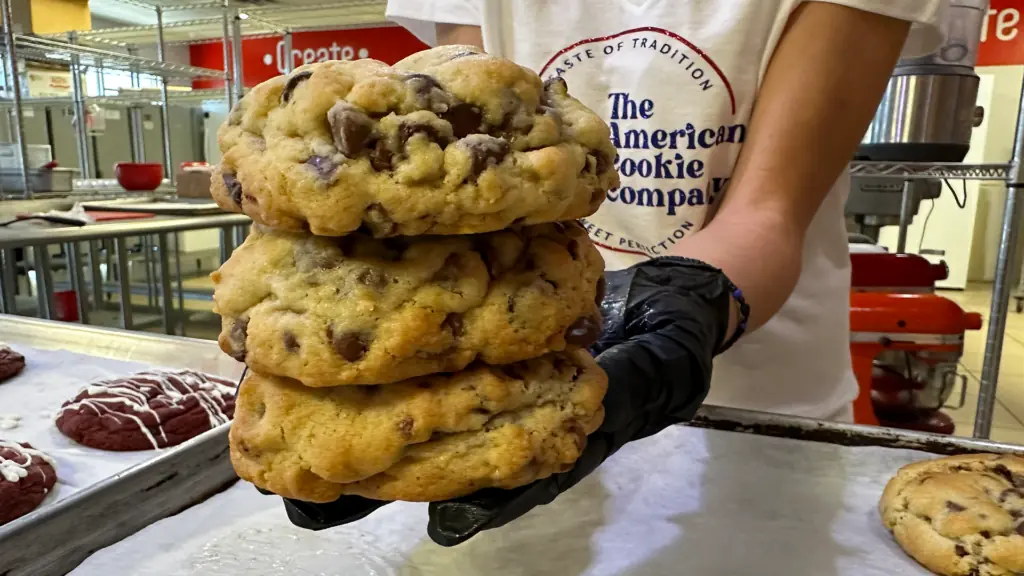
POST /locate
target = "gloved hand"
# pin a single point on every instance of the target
(665, 319)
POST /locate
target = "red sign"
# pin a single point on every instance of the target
(264, 58)
(1002, 36)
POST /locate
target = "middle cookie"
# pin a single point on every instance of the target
(357, 310)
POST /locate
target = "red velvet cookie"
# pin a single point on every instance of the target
(26, 477)
(11, 363)
(148, 410)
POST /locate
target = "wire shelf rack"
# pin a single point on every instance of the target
(58, 52)
(931, 170)
(259, 21)
(127, 98)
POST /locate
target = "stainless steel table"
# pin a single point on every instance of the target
(232, 228)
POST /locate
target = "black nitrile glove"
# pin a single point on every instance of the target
(665, 319)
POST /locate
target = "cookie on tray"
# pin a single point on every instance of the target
(148, 410)
(960, 516)
(11, 363)
(26, 477)
(448, 141)
(428, 438)
(356, 310)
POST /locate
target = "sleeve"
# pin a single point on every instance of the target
(928, 17)
(419, 16)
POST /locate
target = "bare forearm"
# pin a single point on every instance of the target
(458, 34)
(818, 95)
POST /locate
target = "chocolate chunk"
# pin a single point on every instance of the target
(453, 323)
(291, 344)
(234, 187)
(405, 427)
(294, 81)
(954, 507)
(351, 346)
(380, 223)
(465, 119)
(1016, 514)
(564, 365)
(601, 162)
(985, 534)
(484, 151)
(557, 85)
(373, 278)
(380, 157)
(511, 305)
(450, 270)
(250, 198)
(351, 128)
(574, 249)
(1020, 528)
(236, 339)
(961, 551)
(1003, 471)
(325, 167)
(410, 129)
(423, 83)
(583, 332)
(602, 284)
(482, 411)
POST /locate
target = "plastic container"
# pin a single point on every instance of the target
(962, 29)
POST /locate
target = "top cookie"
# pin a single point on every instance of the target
(960, 516)
(448, 141)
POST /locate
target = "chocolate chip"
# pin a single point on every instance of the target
(294, 81)
(450, 270)
(583, 332)
(373, 278)
(1020, 528)
(325, 167)
(453, 323)
(985, 534)
(574, 249)
(1016, 514)
(351, 128)
(410, 129)
(954, 507)
(602, 284)
(236, 339)
(351, 346)
(423, 83)
(465, 119)
(250, 198)
(1003, 471)
(234, 187)
(380, 223)
(291, 344)
(601, 163)
(556, 84)
(482, 411)
(564, 365)
(405, 427)
(961, 551)
(484, 151)
(511, 305)
(380, 157)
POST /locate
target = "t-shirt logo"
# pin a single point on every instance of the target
(671, 111)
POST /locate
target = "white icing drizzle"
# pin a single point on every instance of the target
(138, 395)
(9, 421)
(12, 470)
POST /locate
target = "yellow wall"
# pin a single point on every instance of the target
(53, 16)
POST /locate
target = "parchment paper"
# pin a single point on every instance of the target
(51, 377)
(685, 502)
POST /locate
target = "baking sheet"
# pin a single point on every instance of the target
(30, 401)
(686, 501)
(180, 207)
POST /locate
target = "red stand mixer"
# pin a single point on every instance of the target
(906, 342)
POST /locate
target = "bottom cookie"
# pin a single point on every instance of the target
(960, 516)
(429, 438)
(26, 477)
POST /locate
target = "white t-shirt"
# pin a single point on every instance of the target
(676, 81)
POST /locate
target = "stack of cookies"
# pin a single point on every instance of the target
(415, 300)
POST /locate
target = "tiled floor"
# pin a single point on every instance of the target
(1008, 424)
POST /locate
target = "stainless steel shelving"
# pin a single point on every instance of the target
(153, 97)
(55, 51)
(1012, 221)
(931, 170)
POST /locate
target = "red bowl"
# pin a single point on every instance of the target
(139, 176)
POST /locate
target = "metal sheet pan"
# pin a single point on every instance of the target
(54, 539)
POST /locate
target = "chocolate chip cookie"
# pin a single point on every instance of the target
(960, 516)
(11, 363)
(448, 141)
(428, 438)
(357, 310)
